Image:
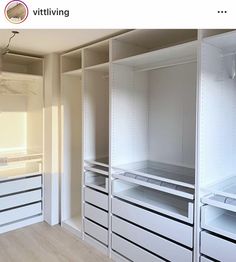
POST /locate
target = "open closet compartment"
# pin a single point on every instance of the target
(21, 141)
(147, 40)
(71, 153)
(22, 64)
(21, 107)
(96, 106)
(72, 63)
(153, 118)
(153, 108)
(217, 139)
(96, 56)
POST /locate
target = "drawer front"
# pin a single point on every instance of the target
(96, 198)
(20, 213)
(95, 231)
(151, 242)
(20, 199)
(217, 248)
(95, 214)
(131, 251)
(14, 186)
(204, 259)
(164, 226)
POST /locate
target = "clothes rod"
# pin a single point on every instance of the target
(167, 65)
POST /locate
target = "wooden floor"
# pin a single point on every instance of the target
(40, 242)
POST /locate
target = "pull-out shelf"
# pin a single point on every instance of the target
(219, 221)
(96, 181)
(175, 175)
(97, 169)
(220, 201)
(170, 205)
(157, 184)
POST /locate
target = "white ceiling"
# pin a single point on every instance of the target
(41, 42)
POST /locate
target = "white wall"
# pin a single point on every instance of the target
(172, 110)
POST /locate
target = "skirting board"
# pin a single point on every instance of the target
(72, 230)
(20, 224)
(93, 242)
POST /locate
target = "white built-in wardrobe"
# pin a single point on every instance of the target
(148, 145)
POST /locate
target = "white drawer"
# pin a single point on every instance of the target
(20, 213)
(164, 226)
(95, 231)
(158, 245)
(131, 251)
(96, 198)
(95, 214)
(217, 248)
(20, 199)
(19, 185)
(204, 259)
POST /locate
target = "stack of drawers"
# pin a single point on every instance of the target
(96, 206)
(20, 202)
(141, 235)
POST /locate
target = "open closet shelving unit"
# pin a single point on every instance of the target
(154, 176)
(71, 123)
(217, 170)
(21, 142)
(153, 110)
(122, 166)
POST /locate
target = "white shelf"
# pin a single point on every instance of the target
(175, 175)
(100, 162)
(76, 72)
(20, 76)
(97, 169)
(157, 184)
(31, 169)
(104, 67)
(182, 53)
(172, 206)
(219, 221)
(11, 157)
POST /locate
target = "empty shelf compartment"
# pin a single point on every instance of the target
(157, 184)
(177, 175)
(96, 181)
(219, 221)
(152, 199)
